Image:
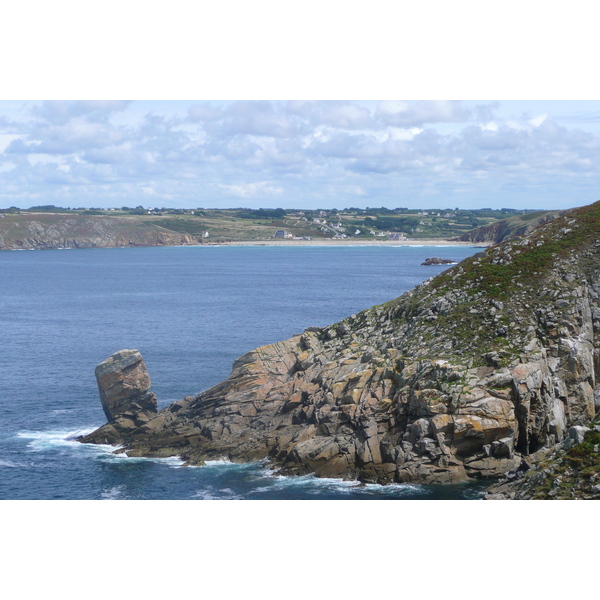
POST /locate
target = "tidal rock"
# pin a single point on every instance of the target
(438, 261)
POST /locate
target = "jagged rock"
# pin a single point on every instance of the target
(422, 388)
(575, 436)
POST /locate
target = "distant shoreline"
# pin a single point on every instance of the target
(348, 242)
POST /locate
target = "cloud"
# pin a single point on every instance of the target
(204, 112)
(333, 113)
(316, 151)
(251, 190)
(61, 111)
(255, 118)
(405, 114)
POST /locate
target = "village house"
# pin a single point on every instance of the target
(281, 233)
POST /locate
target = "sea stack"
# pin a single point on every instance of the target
(123, 384)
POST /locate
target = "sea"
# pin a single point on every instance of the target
(190, 311)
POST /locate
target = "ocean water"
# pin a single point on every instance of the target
(190, 311)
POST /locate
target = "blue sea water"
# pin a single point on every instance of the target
(190, 311)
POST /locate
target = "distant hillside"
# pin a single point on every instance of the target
(50, 226)
(506, 229)
(29, 231)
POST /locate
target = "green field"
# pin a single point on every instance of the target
(242, 224)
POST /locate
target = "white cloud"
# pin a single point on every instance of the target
(6, 139)
(537, 121)
(251, 190)
(491, 126)
(418, 113)
(315, 151)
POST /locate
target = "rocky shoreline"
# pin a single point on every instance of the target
(469, 375)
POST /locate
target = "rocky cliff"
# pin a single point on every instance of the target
(464, 376)
(50, 231)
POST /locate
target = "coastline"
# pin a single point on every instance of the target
(348, 242)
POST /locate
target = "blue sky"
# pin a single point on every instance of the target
(326, 154)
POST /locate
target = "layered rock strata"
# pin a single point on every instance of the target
(464, 376)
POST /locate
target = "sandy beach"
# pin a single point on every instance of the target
(349, 242)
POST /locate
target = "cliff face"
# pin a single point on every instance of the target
(464, 376)
(51, 231)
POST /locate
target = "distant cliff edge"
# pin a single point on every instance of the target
(36, 231)
(478, 372)
(506, 229)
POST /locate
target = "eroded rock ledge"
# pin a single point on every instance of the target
(464, 376)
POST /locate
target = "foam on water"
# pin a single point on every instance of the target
(316, 486)
(63, 438)
(114, 493)
(48, 440)
(213, 493)
(267, 481)
(11, 464)
(171, 461)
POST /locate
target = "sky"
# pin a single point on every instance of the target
(300, 154)
(238, 104)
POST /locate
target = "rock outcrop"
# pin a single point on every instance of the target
(465, 376)
(436, 260)
(124, 384)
